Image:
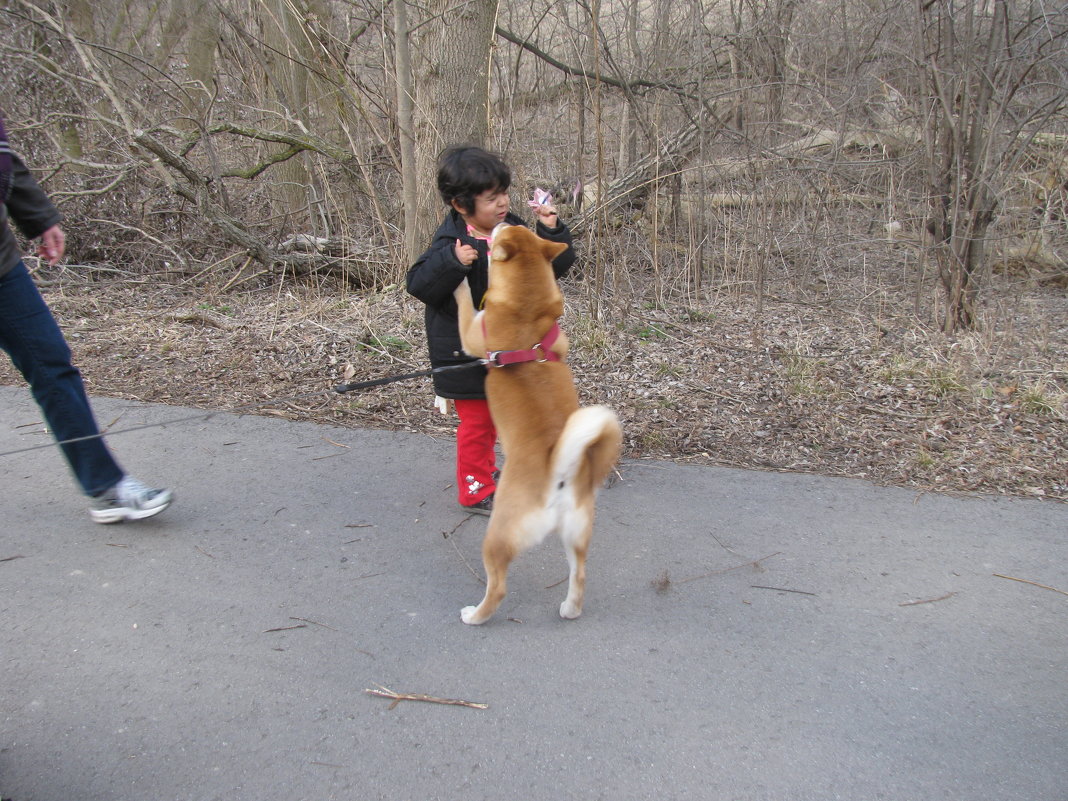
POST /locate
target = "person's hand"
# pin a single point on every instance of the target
(542, 203)
(53, 245)
(547, 215)
(465, 254)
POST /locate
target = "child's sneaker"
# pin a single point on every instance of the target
(129, 500)
(483, 507)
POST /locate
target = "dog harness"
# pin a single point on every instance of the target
(539, 353)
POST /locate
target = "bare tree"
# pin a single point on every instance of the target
(992, 78)
(276, 136)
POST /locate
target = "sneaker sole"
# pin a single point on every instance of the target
(125, 513)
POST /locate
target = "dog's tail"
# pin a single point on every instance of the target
(587, 449)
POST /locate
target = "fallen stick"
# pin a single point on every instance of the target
(754, 563)
(929, 600)
(780, 589)
(385, 692)
(1032, 583)
(458, 553)
(313, 622)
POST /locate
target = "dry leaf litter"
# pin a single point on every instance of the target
(788, 386)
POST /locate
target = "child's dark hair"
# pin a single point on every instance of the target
(465, 171)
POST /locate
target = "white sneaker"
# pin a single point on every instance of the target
(129, 500)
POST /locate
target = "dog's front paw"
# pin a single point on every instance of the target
(469, 616)
(569, 610)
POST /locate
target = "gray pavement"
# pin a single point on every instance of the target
(747, 635)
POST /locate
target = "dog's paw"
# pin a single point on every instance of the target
(569, 611)
(468, 616)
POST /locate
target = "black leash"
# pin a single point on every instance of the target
(341, 388)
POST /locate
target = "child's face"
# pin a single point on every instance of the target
(491, 207)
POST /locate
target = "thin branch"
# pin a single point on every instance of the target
(754, 563)
(780, 589)
(1032, 583)
(579, 72)
(385, 692)
(313, 622)
(462, 557)
(929, 600)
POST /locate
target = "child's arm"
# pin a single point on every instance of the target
(440, 270)
(549, 226)
(465, 254)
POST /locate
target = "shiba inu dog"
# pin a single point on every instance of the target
(556, 453)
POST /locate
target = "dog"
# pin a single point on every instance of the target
(556, 454)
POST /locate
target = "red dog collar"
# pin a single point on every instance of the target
(539, 353)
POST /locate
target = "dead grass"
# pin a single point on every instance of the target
(836, 388)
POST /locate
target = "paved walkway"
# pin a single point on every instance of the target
(747, 635)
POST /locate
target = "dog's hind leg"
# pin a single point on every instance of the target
(575, 534)
(583, 456)
(498, 550)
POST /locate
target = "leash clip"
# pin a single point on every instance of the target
(539, 354)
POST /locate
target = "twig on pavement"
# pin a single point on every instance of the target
(1032, 583)
(385, 692)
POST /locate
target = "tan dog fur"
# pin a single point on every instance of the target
(557, 455)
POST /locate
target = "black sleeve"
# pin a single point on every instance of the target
(27, 205)
(436, 273)
(561, 233)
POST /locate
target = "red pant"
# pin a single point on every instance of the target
(476, 459)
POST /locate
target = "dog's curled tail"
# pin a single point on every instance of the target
(588, 447)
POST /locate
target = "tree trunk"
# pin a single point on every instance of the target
(966, 83)
(452, 91)
(406, 131)
(288, 77)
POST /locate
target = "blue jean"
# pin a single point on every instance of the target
(30, 336)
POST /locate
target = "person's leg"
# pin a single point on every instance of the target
(31, 337)
(476, 458)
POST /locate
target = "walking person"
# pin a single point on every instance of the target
(30, 336)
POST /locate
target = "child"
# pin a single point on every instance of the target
(473, 183)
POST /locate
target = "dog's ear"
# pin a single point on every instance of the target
(501, 249)
(550, 250)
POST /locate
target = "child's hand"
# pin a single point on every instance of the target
(544, 208)
(465, 254)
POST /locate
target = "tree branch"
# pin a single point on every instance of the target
(578, 72)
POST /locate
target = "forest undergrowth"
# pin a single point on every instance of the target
(842, 383)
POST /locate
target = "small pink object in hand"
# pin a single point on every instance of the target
(541, 198)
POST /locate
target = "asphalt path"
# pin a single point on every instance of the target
(747, 635)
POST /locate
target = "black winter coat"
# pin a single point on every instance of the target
(434, 277)
(29, 208)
